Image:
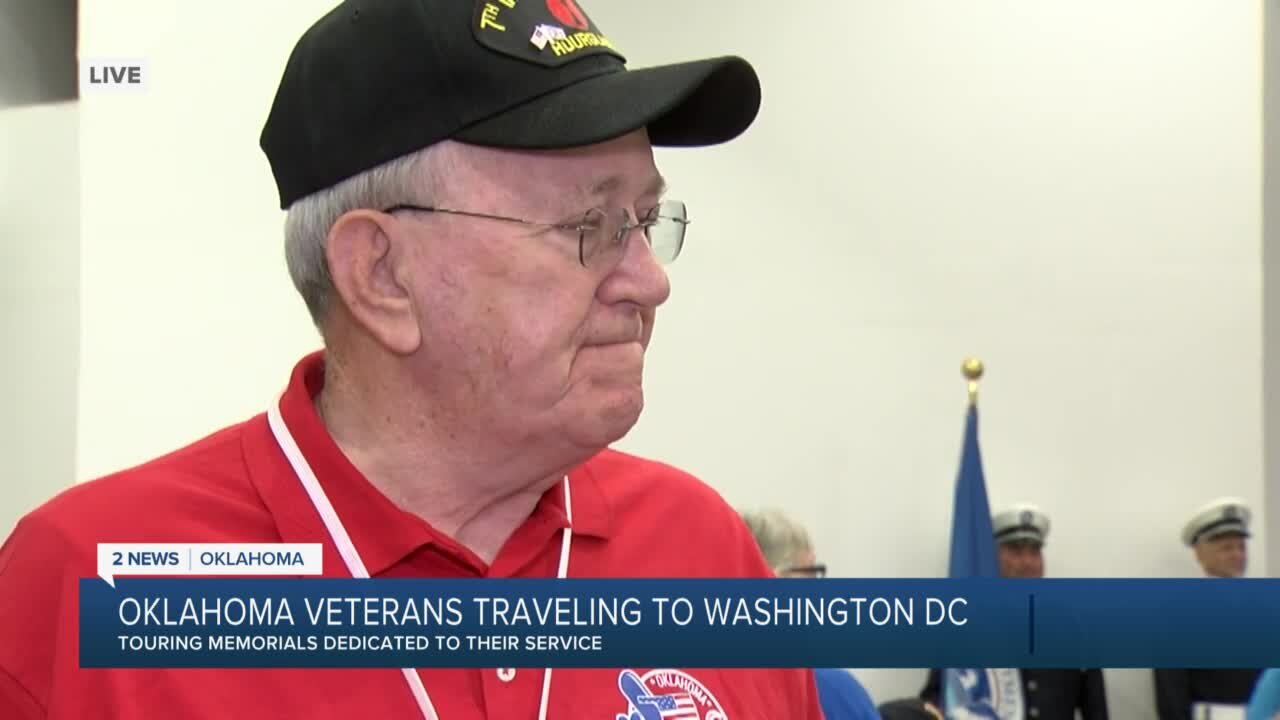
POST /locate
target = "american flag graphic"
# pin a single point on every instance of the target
(675, 707)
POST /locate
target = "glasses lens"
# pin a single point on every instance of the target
(666, 235)
(591, 236)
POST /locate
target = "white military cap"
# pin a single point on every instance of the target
(1224, 516)
(1020, 523)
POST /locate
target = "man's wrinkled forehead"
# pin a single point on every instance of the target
(620, 169)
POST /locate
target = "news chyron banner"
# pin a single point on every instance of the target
(188, 606)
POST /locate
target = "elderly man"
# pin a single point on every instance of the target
(477, 226)
(789, 551)
(1047, 693)
(1216, 533)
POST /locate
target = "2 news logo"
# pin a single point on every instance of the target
(114, 75)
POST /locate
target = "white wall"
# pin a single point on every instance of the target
(1069, 190)
(189, 320)
(39, 277)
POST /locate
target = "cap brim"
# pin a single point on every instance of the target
(1212, 534)
(1021, 536)
(705, 102)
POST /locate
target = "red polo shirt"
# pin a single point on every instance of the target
(237, 486)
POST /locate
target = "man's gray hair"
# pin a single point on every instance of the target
(413, 178)
(780, 538)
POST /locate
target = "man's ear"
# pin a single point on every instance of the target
(363, 256)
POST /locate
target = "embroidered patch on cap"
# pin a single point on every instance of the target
(544, 32)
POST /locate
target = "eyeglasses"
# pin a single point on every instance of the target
(602, 235)
(814, 571)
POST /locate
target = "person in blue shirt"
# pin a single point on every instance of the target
(842, 696)
(1264, 703)
(789, 551)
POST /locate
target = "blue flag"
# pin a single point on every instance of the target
(973, 549)
(976, 692)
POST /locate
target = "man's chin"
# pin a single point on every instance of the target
(610, 420)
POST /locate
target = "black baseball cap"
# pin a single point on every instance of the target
(373, 80)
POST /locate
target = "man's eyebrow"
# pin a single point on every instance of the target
(656, 186)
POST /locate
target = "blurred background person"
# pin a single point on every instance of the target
(1048, 693)
(1217, 533)
(1264, 704)
(788, 549)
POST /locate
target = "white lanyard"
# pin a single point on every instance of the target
(356, 566)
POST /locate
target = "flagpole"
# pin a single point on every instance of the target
(973, 555)
(972, 369)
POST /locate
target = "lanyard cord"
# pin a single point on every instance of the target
(355, 565)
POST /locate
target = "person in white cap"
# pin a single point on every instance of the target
(1048, 693)
(1218, 534)
(1020, 533)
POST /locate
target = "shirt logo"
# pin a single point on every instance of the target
(667, 695)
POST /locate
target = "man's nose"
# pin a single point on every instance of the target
(639, 277)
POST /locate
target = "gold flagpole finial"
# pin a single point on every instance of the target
(972, 369)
